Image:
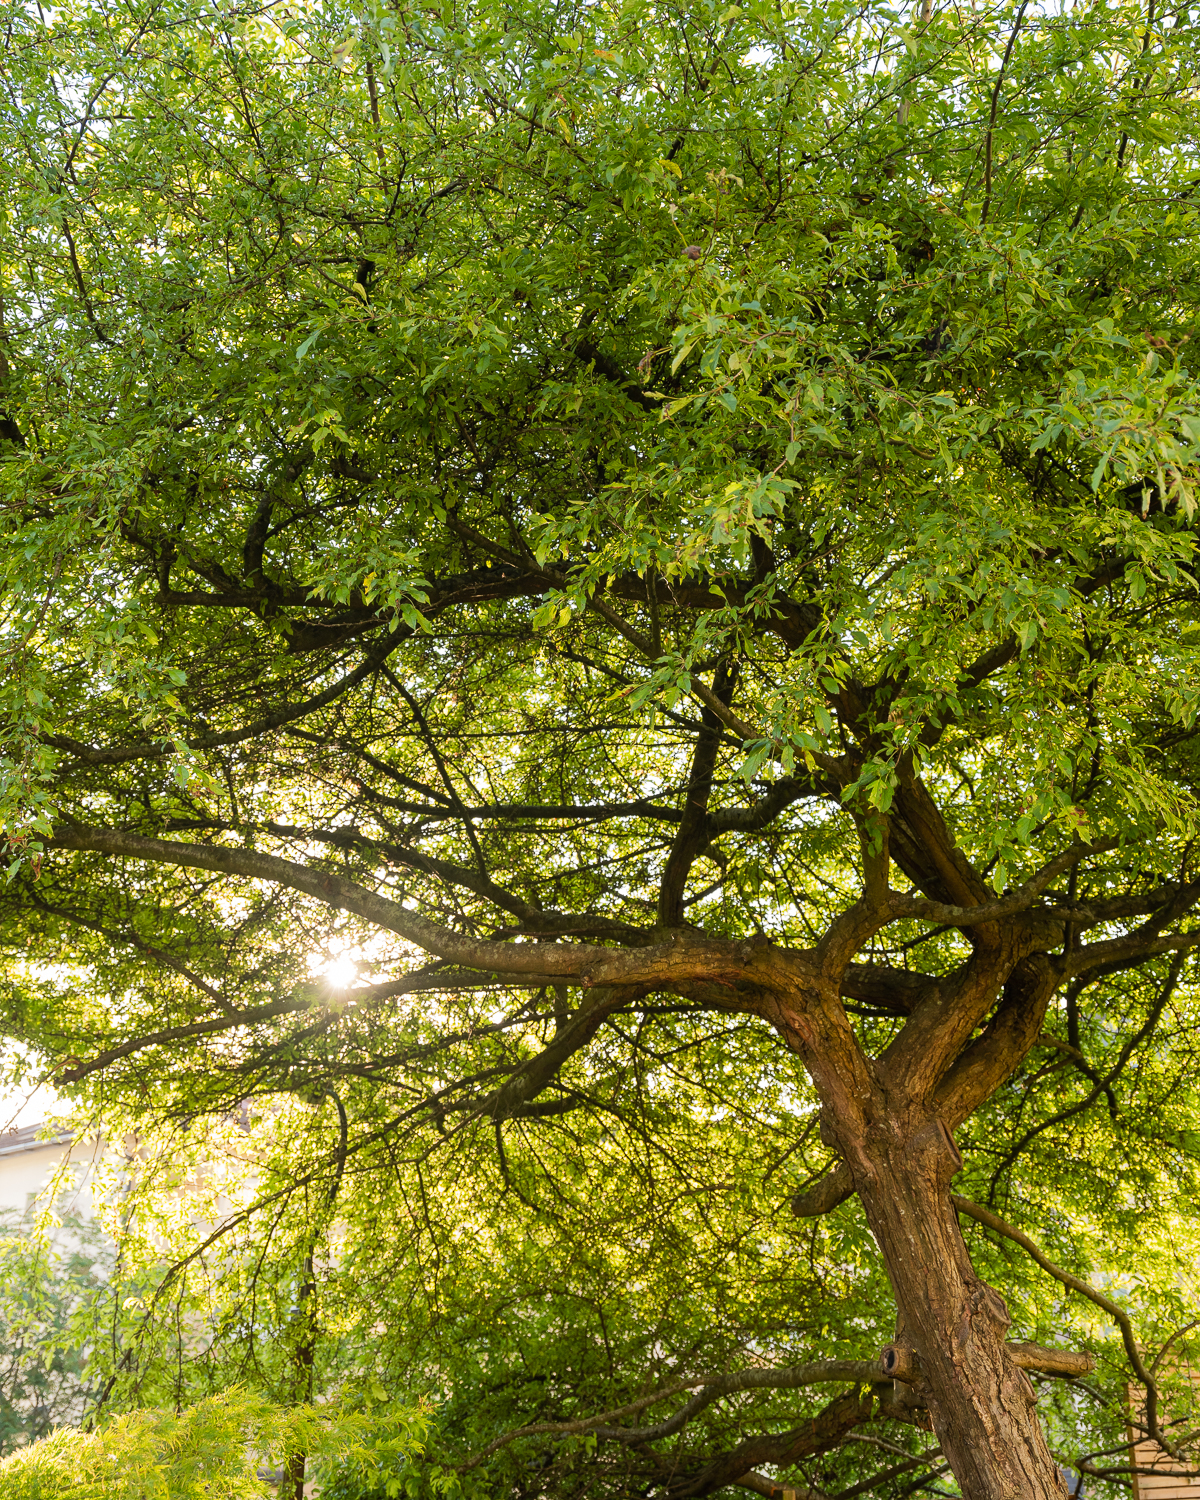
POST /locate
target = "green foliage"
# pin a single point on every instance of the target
(874, 357)
(406, 413)
(224, 1447)
(50, 1291)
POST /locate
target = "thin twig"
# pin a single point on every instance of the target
(987, 149)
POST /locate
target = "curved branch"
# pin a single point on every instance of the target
(820, 1433)
(567, 959)
(1122, 953)
(419, 979)
(680, 957)
(154, 750)
(534, 920)
(694, 832)
(841, 1371)
(111, 1055)
(531, 1077)
(477, 881)
(777, 799)
(1021, 899)
(1100, 1084)
(986, 1062)
(150, 949)
(1117, 1313)
(826, 1194)
(860, 1371)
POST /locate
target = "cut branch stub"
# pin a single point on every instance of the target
(899, 1362)
(1066, 1362)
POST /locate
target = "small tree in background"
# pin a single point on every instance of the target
(50, 1292)
(219, 1449)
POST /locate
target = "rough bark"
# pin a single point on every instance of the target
(981, 1403)
(817, 1435)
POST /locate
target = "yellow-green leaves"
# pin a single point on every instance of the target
(222, 1446)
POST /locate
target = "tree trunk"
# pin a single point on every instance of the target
(981, 1405)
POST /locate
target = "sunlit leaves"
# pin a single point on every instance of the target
(584, 351)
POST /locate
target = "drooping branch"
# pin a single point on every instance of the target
(680, 957)
(1074, 1283)
(530, 1078)
(1101, 1083)
(715, 1387)
(818, 1435)
(253, 1016)
(712, 1388)
(134, 940)
(838, 1371)
(314, 997)
(91, 755)
(565, 959)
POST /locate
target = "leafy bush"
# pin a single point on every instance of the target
(228, 1447)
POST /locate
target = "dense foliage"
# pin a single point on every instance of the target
(223, 1447)
(572, 576)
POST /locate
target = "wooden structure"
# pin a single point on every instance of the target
(1169, 1480)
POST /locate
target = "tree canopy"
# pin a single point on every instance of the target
(600, 692)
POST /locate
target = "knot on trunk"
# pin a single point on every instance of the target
(986, 1302)
(932, 1151)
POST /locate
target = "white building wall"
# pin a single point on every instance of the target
(28, 1165)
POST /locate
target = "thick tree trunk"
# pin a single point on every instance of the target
(881, 1115)
(982, 1406)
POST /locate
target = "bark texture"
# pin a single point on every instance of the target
(981, 1403)
(899, 1156)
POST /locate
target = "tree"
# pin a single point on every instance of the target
(666, 535)
(49, 1291)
